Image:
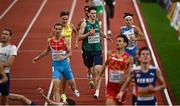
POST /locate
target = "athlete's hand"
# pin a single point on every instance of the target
(119, 96)
(35, 59)
(92, 32)
(41, 91)
(150, 89)
(110, 39)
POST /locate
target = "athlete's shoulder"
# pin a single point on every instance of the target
(49, 39)
(13, 46)
(122, 27)
(153, 67)
(136, 68)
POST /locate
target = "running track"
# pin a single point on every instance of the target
(26, 77)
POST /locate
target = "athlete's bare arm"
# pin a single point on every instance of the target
(44, 53)
(124, 86)
(128, 69)
(76, 35)
(139, 33)
(69, 51)
(160, 78)
(106, 63)
(49, 101)
(102, 34)
(160, 86)
(3, 75)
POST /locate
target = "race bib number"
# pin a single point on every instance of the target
(94, 39)
(55, 54)
(115, 76)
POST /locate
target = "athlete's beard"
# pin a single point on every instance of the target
(57, 35)
(144, 63)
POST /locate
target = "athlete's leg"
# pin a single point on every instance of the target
(68, 76)
(4, 90)
(63, 85)
(56, 78)
(56, 89)
(88, 62)
(97, 70)
(20, 98)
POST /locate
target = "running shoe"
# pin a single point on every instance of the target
(63, 97)
(76, 93)
(96, 94)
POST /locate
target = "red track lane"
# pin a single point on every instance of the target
(4, 4)
(18, 19)
(121, 7)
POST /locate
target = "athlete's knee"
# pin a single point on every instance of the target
(98, 69)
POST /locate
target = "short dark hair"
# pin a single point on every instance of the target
(142, 49)
(124, 38)
(70, 102)
(57, 24)
(63, 13)
(9, 30)
(87, 8)
(91, 8)
(127, 14)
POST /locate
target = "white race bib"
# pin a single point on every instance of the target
(55, 54)
(115, 76)
(94, 39)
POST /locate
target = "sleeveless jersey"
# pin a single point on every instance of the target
(5, 52)
(92, 43)
(144, 79)
(67, 32)
(57, 48)
(129, 32)
(117, 67)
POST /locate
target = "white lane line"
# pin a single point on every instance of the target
(31, 24)
(10, 6)
(70, 18)
(36, 78)
(72, 11)
(150, 47)
(105, 44)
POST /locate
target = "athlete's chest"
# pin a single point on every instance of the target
(59, 45)
(117, 63)
(145, 78)
(4, 52)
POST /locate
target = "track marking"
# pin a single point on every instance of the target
(70, 18)
(10, 6)
(105, 45)
(31, 24)
(149, 45)
(36, 78)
